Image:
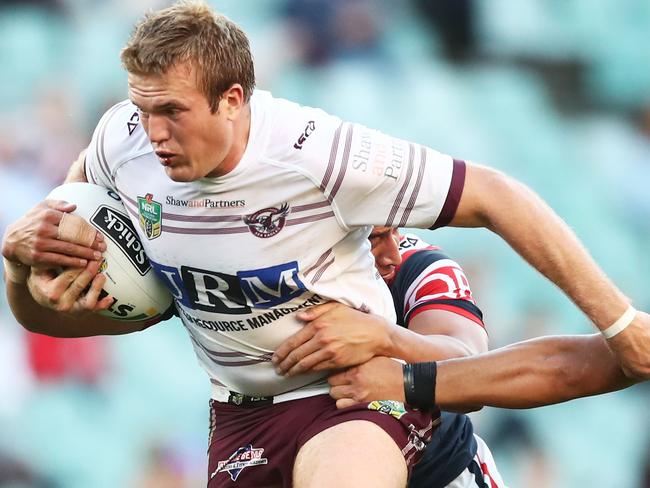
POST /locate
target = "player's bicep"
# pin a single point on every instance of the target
(486, 193)
(77, 172)
(451, 324)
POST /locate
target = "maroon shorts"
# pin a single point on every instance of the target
(257, 446)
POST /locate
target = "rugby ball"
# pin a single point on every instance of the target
(130, 279)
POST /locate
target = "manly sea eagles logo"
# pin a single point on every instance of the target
(268, 221)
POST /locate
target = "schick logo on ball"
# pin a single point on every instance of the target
(150, 212)
(119, 229)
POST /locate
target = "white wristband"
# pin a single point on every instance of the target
(621, 324)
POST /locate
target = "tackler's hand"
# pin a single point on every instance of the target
(334, 336)
(632, 347)
(380, 378)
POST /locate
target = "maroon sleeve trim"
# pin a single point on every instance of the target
(453, 196)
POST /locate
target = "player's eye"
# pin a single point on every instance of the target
(172, 112)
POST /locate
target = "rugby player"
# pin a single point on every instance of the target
(432, 296)
(256, 208)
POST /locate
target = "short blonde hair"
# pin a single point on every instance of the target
(190, 31)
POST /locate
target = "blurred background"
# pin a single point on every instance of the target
(554, 92)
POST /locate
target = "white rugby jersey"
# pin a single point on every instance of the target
(286, 229)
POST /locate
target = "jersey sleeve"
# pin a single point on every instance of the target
(368, 177)
(118, 138)
(430, 280)
(375, 179)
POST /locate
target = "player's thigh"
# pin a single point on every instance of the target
(356, 453)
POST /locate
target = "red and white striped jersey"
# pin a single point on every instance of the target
(427, 279)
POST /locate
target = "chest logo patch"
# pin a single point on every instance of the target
(268, 221)
(150, 213)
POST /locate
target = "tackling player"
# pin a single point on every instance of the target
(432, 298)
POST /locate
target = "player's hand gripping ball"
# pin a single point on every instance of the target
(130, 279)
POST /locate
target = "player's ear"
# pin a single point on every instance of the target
(232, 101)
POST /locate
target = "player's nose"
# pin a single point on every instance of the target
(158, 130)
(389, 255)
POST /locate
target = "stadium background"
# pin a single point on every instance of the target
(554, 92)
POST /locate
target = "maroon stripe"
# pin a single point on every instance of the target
(238, 218)
(319, 262)
(202, 218)
(89, 174)
(239, 230)
(333, 152)
(344, 162)
(212, 355)
(416, 190)
(184, 230)
(409, 450)
(131, 201)
(453, 196)
(227, 230)
(224, 230)
(240, 363)
(100, 143)
(226, 354)
(320, 272)
(98, 154)
(131, 211)
(310, 218)
(402, 191)
(310, 206)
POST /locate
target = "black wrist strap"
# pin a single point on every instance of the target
(420, 384)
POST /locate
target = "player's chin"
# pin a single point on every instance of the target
(388, 275)
(181, 174)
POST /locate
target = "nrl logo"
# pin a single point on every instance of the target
(242, 458)
(389, 407)
(268, 221)
(150, 212)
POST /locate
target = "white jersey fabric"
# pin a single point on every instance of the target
(286, 229)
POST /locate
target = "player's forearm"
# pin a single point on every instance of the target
(510, 209)
(413, 347)
(529, 374)
(41, 320)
